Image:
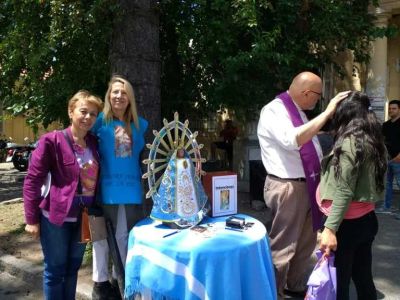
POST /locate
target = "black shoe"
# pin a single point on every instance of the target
(104, 291)
(294, 294)
(115, 289)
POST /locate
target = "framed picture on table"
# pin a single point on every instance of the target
(224, 195)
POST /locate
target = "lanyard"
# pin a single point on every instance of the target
(68, 139)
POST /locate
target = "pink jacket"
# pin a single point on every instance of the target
(53, 154)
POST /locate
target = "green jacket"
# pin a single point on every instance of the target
(352, 185)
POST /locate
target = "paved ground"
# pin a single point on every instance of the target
(13, 288)
(21, 280)
(10, 182)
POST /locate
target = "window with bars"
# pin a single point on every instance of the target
(208, 124)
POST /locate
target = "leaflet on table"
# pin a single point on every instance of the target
(224, 189)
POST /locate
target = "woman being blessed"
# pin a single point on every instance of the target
(121, 139)
(352, 180)
(70, 156)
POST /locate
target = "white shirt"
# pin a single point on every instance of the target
(277, 136)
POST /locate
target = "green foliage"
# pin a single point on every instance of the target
(48, 51)
(215, 53)
(240, 54)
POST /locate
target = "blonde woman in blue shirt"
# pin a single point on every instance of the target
(120, 132)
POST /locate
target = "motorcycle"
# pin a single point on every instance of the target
(19, 154)
(3, 151)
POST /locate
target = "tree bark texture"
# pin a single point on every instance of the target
(135, 54)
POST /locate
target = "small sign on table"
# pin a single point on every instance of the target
(221, 189)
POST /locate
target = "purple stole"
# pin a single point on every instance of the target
(309, 158)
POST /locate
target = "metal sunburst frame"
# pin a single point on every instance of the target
(178, 136)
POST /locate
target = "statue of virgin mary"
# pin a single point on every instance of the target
(180, 199)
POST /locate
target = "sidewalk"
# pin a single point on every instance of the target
(11, 182)
(386, 265)
(29, 273)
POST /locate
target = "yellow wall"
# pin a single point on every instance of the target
(394, 63)
(17, 129)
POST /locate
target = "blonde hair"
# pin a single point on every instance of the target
(84, 95)
(130, 112)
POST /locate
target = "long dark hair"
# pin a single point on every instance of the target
(354, 117)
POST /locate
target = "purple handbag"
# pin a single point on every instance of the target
(322, 281)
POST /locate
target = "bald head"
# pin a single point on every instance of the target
(306, 89)
(306, 80)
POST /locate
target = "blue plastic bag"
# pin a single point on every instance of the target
(322, 281)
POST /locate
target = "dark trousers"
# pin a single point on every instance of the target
(353, 258)
(228, 147)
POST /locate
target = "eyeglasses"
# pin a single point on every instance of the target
(319, 94)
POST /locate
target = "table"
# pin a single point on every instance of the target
(215, 264)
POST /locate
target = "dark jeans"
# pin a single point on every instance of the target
(228, 147)
(63, 256)
(353, 258)
(393, 173)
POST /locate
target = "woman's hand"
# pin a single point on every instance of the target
(33, 229)
(328, 241)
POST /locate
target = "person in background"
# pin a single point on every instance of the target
(352, 180)
(291, 155)
(324, 135)
(56, 217)
(325, 138)
(120, 132)
(391, 132)
(228, 134)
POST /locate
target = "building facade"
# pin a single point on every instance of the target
(380, 79)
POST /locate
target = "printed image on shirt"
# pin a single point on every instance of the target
(123, 143)
(88, 175)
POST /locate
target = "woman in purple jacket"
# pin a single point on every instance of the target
(71, 157)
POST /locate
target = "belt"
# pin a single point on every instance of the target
(301, 179)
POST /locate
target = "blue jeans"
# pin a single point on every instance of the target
(63, 256)
(393, 172)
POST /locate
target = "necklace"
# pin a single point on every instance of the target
(79, 141)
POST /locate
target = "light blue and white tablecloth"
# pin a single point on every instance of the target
(217, 264)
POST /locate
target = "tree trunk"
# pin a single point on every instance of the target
(135, 54)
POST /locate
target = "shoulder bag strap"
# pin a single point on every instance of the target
(68, 139)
